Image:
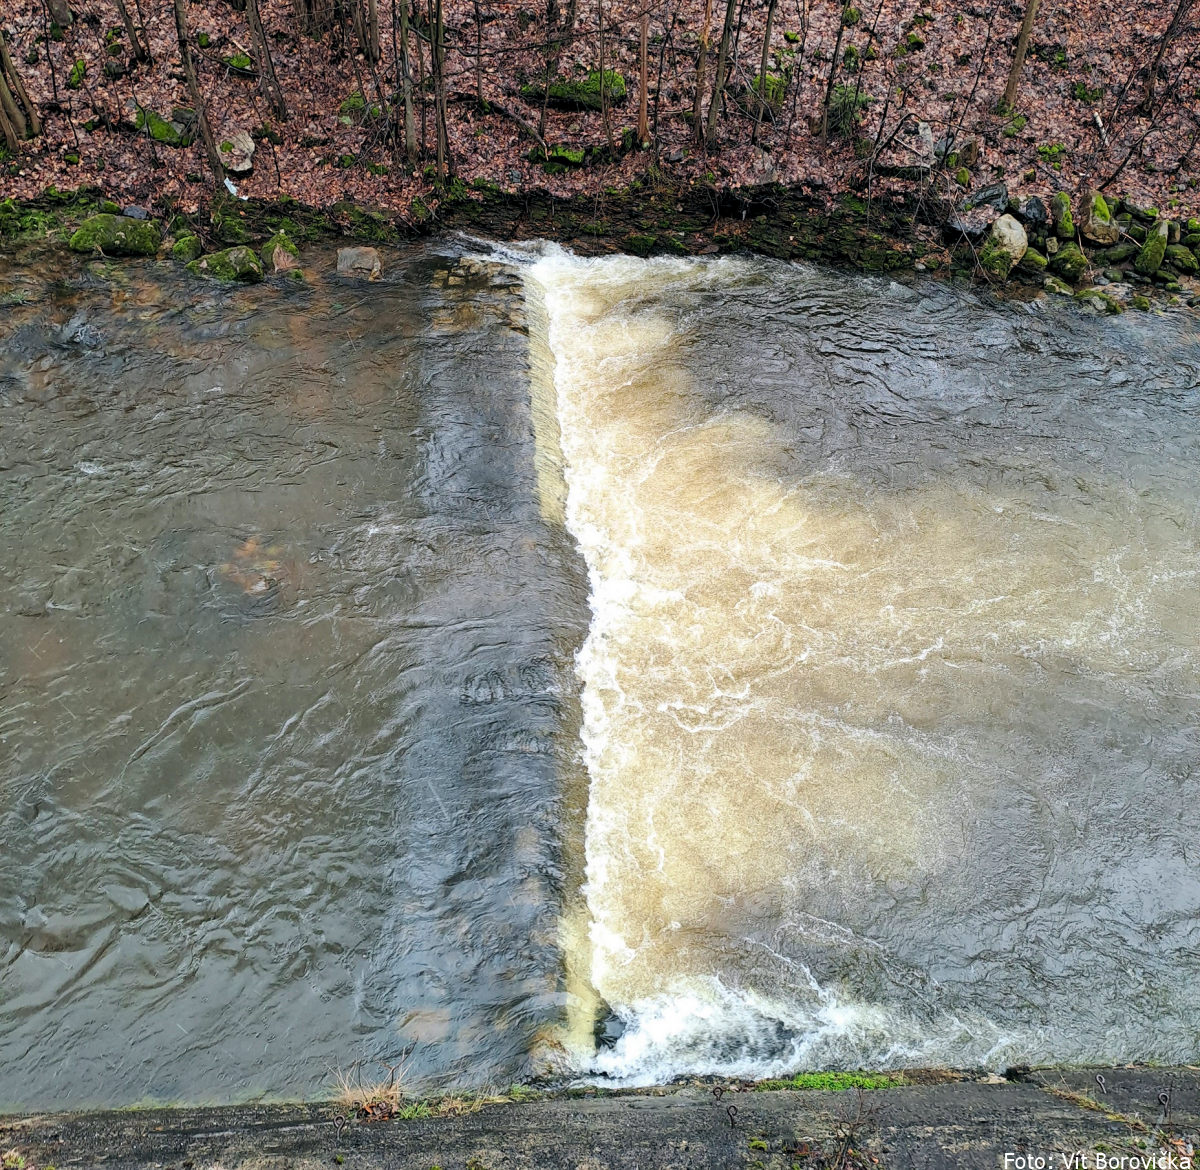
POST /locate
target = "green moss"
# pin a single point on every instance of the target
(1082, 92)
(77, 74)
(770, 87)
(962, 177)
(1099, 300)
(579, 95)
(1015, 126)
(240, 62)
(203, 40)
(1032, 262)
(279, 240)
(792, 38)
(569, 155)
(995, 260)
(1140, 302)
(1119, 253)
(640, 245)
(834, 1081)
(1182, 258)
(187, 248)
(1060, 288)
(1152, 252)
(237, 263)
(850, 16)
(117, 235)
(1069, 262)
(1060, 215)
(159, 128)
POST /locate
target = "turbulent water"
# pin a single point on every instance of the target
(890, 692)
(875, 742)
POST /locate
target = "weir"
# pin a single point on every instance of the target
(891, 676)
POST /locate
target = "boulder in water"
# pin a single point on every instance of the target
(236, 263)
(117, 235)
(280, 254)
(1098, 301)
(187, 248)
(359, 262)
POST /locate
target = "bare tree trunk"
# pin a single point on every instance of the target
(410, 126)
(373, 50)
(1182, 9)
(12, 111)
(662, 58)
(643, 126)
(605, 116)
(701, 72)
(445, 164)
(8, 70)
(1014, 74)
(189, 69)
(11, 138)
(833, 72)
(478, 56)
(267, 78)
(714, 105)
(762, 71)
(140, 51)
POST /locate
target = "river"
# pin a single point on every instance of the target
(753, 666)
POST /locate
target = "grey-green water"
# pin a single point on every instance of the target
(886, 685)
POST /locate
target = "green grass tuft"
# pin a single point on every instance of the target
(835, 1081)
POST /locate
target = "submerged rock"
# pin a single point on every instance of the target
(1095, 221)
(236, 263)
(1150, 258)
(118, 235)
(359, 262)
(1099, 301)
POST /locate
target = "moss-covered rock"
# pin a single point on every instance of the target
(160, 129)
(579, 95)
(1099, 301)
(187, 248)
(1150, 257)
(1033, 262)
(640, 245)
(1191, 240)
(237, 263)
(1059, 288)
(117, 235)
(280, 253)
(1142, 211)
(1069, 262)
(1182, 258)
(1006, 245)
(562, 158)
(1120, 253)
(1095, 221)
(1060, 215)
(1137, 232)
(1140, 302)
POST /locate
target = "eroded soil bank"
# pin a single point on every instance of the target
(1095, 1116)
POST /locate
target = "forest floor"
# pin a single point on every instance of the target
(1076, 1119)
(916, 73)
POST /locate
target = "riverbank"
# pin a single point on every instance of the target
(939, 1120)
(1108, 255)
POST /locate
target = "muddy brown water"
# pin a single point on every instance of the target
(802, 666)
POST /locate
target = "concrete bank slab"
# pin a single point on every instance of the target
(962, 1124)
